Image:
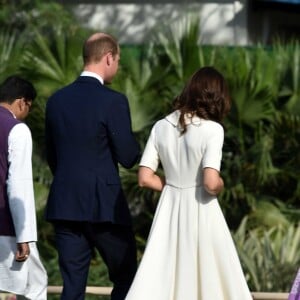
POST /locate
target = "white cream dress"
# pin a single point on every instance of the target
(190, 254)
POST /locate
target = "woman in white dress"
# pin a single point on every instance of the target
(190, 254)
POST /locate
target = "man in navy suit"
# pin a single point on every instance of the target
(88, 133)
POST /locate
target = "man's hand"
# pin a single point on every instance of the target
(23, 251)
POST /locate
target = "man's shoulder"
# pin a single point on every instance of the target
(7, 122)
(20, 129)
(113, 92)
(62, 89)
(93, 85)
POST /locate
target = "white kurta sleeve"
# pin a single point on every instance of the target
(213, 151)
(150, 156)
(20, 184)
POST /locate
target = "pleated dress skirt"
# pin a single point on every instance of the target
(190, 254)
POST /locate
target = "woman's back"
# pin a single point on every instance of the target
(183, 156)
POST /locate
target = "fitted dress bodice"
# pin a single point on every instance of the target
(183, 156)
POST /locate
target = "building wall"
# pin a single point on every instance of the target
(222, 22)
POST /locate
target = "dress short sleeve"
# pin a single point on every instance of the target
(213, 151)
(150, 157)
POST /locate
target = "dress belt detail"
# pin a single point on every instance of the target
(184, 187)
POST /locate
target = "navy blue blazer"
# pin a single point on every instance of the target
(88, 133)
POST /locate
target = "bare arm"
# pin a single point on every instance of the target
(212, 181)
(147, 178)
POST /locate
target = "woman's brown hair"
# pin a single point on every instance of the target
(205, 95)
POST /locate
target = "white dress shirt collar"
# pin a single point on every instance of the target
(92, 74)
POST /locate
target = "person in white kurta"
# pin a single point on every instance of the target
(190, 254)
(21, 273)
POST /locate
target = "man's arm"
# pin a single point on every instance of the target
(125, 148)
(50, 152)
(20, 188)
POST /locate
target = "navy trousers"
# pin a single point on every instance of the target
(76, 242)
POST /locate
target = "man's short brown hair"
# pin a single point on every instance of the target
(97, 45)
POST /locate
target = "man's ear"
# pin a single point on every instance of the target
(20, 103)
(109, 58)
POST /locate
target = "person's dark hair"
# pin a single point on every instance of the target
(15, 87)
(205, 95)
(96, 47)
